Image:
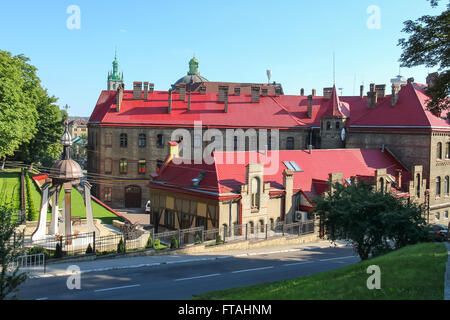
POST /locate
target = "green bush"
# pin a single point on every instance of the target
(121, 246)
(89, 249)
(31, 210)
(219, 239)
(198, 239)
(149, 243)
(38, 250)
(58, 251)
(174, 243)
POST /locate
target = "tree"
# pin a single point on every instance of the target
(19, 90)
(10, 249)
(369, 219)
(428, 45)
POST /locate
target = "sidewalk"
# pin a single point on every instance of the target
(120, 262)
(447, 275)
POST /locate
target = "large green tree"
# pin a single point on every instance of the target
(429, 45)
(19, 91)
(373, 221)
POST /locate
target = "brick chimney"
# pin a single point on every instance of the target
(169, 110)
(223, 93)
(119, 96)
(361, 91)
(145, 90)
(335, 177)
(255, 93)
(288, 184)
(372, 96)
(394, 97)
(202, 90)
(313, 92)
(225, 109)
(137, 90)
(182, 91)
(264, 92)
(310, 102)
(237, 91)
(151, 87)
(380, 90)
(327, 92)
(277, 91)
(189, 101)
(302, 92)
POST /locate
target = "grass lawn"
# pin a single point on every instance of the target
(10, 186)
(414, 272)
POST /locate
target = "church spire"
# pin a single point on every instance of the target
(114, 77)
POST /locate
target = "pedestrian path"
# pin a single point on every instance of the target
(124, 262)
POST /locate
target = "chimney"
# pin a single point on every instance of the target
(394, 97)
(223, 93)
(177, 88)
(202, 90)
(335, 177)
(225, 109)
(255, 93)
(361, 91)
(288, 184)
(151, 87)
(189, 101)
(313, 92)
(137, 90)
(182, 91)
(237, 91)
(119, 96)
(170, 101)
(302, 92)
(310, 148)
(327, 92)
(310, 102)
(399, 178)
(380, 90)
(264, 92)
(145, 90)
(410, 80)
(372, 96)
(277, 91)
(431, 78)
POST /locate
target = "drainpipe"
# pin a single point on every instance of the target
(230, 218)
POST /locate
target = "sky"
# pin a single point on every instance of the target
(234, 40)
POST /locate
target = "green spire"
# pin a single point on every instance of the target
(193, 66)
(115, 76)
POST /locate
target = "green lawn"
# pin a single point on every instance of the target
(414, 272)
(10, 186)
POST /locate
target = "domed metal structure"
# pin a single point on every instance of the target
(193, 75)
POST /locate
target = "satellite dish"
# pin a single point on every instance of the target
(269, 75)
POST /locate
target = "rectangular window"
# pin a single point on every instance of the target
(169, 219)
(160, 141)
(446, 215)
(141, 166)
(123, 166)
(108, 140)
(437, 216)
(108, 194)
(142, 141)
(108, 166)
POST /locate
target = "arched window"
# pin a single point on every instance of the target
(142, 140)
(123, 140)
(439, 150)
(251, 226)
(261, 225)
(328, 125)
(382, 184)
(272, 225)
(447, 150)
(446, 185)
(438, 186)
(418, 186)
(255, 191)
(290, 143)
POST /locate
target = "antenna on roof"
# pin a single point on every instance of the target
(334, 69)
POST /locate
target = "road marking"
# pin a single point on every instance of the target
(347, 257)
(255, 269)
(296, 263)
(116, 288)
(198, 277)
(44, 298)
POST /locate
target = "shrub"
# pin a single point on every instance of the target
(38, 250)
(89, 249)
(149, 243)
(156, 244)
(31, 211)
(219, 239)
(198, 239)
(174, 243)
(58, 251)
(121, 246)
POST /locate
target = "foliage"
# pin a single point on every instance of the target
(121, 246)
(149, 243)
(428, 45)
(89, 249)
(371, 220)
(38, 250)
(198, 239)
(10, 250)
(174, 243)
(219, 239)
(31, 209)
(58, 251)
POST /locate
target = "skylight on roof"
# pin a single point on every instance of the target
(292, 165)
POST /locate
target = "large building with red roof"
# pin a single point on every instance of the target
(129, 131)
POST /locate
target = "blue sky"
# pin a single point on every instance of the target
(235, 40)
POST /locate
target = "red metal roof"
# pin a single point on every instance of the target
(224, 177)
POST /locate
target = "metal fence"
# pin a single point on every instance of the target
(32, 263)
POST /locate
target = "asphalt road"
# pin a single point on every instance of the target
(182, 281)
